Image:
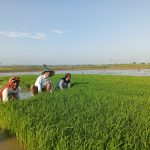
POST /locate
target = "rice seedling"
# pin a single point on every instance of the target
(97, 112)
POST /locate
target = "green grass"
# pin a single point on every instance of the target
(97, 112)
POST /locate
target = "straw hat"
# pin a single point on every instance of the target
(51, 72)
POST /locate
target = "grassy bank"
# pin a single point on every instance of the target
(98, 112)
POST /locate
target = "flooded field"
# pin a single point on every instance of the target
(141, 72)
(8, 142)
(25, 95)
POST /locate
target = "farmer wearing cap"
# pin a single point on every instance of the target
(11, 90)
(64, 82)
(43, 82)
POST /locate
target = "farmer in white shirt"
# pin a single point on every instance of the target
(43, 82)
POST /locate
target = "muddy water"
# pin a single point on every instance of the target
(25, 95)
(8, 142)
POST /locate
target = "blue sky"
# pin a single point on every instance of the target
(71, 32)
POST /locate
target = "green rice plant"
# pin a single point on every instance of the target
(97, 112)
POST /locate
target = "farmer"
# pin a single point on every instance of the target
(11, 90)
(64, 82)
(43, 82)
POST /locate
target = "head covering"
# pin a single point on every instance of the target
(51, 72)
(12, 80)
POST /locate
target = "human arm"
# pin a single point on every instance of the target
(38, 83)
(69, 85)
(61, 84)
(5, 95)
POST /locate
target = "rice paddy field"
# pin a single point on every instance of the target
(99, 112)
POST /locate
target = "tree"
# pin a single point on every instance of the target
(133, 62)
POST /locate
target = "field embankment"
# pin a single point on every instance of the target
(38, 68)
(97, 112)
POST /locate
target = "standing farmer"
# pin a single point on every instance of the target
(43, 82)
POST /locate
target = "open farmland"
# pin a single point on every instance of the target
(97, 112)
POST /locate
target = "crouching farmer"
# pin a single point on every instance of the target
(43, 82)
(64, 82)
(11, 90)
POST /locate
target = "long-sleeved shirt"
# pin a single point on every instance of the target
(41, 82)
(63, 84)
(8, 93)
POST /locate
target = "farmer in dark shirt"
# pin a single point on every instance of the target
(64, 82)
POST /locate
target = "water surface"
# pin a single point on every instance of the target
(8, 142)
(25, 95)
(141, 72)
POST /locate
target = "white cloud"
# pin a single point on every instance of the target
(14, 34)
(57, 31)
(39, 36)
